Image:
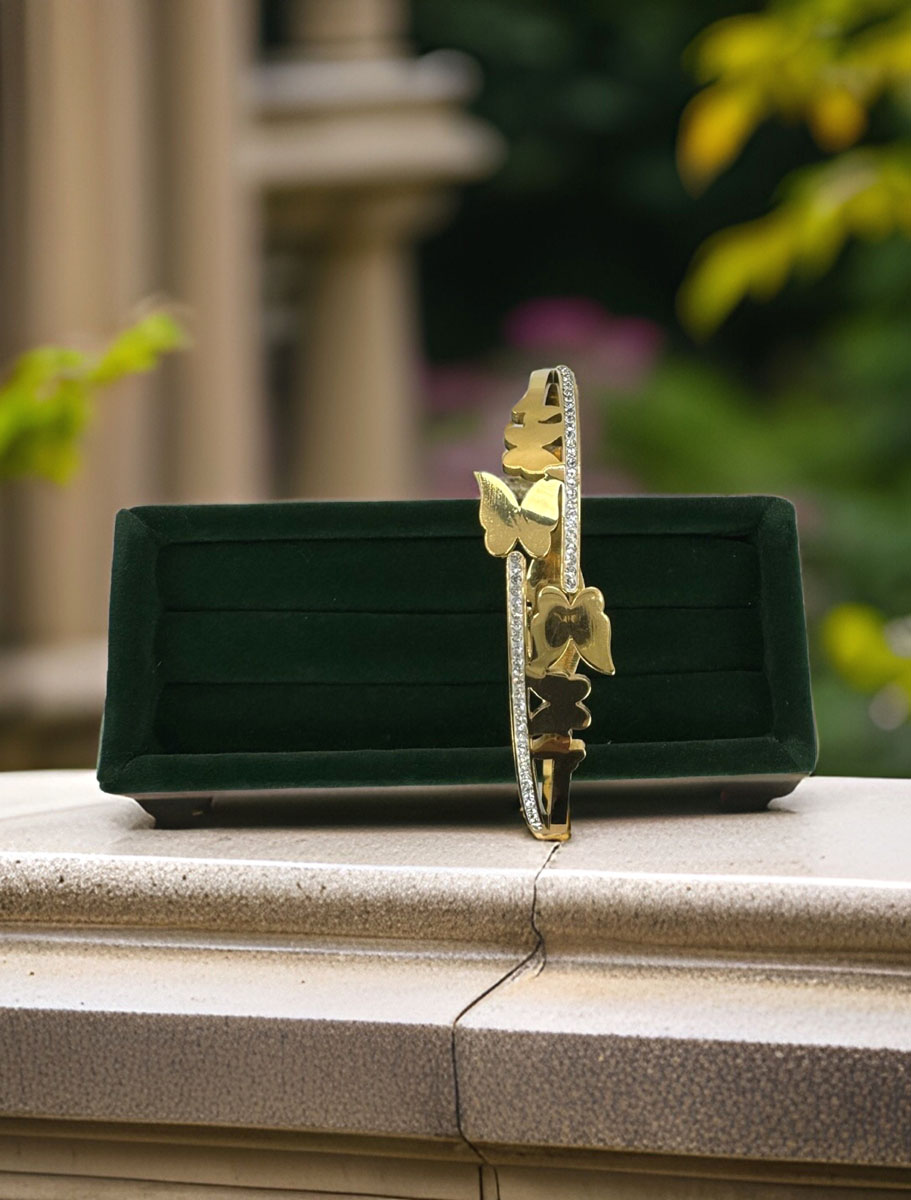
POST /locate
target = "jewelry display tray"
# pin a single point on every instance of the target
(337, 645)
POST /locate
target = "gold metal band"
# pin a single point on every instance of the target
(554, 622)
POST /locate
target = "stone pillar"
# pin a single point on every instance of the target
(119, 126)
(119, 131)
(340, 29)
(215, 413)
(76, 257)
(355, 145)
(358, 419)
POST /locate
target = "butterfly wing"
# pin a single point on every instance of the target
(498, 514)
(544, 652)
(596, 650)
(538, 516)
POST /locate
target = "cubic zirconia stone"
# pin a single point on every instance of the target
(518, 688)
(571, 484)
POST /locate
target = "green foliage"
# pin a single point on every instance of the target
(825, 62)
(868, 651)
(46, 400)
(865, 193)
(805, 394)
(586, 95)
(834, 435)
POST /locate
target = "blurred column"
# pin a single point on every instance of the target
(355, 145)
(215, 420)
(119, 127)
(76, 239)
(357, 417)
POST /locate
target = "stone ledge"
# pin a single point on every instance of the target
(247, 898)
(717, 1060)
(706, 985)
(593, 913)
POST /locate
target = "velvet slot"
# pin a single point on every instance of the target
(315, 647)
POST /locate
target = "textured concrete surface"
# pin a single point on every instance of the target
(826, 829)
(286, 1038)
(596, 911)
(725, 985)
(281, 978)
(466, 829)
(689, 984)
(253, 897)
(537, 1183)
(91, 1161)
(71, 855)
(714, 1060)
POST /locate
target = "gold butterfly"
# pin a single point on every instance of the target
(530, 444)
(507, 520)
(561, 620)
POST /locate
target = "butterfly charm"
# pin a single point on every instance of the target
(560, 621)
(507, 520)
(531, 444)
(562, 709)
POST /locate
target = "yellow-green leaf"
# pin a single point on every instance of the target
(836, 118)
(861, 193)
(713, 129)
(855, 641)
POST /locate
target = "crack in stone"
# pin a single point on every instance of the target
(533, 961)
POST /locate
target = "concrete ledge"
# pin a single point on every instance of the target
(668, 984)
(695, 1060)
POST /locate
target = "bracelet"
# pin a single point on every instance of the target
(553, 621)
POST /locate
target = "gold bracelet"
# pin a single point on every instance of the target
(553, 621)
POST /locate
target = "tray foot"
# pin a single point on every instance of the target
(172, 812)
(747, 800)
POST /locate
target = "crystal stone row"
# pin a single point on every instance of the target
(571, 486)
(518, 688)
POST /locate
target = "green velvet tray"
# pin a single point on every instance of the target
(351, 645)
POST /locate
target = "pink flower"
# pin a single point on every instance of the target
(627, 352)
(572, 322)
(615, 352)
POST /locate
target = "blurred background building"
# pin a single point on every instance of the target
(373, 218)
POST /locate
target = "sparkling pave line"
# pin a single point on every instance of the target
(571, 480)
(518, 689)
